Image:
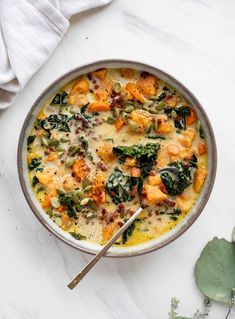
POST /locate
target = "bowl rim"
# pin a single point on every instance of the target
(94, 65)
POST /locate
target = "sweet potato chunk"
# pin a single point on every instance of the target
(98, 107)
(80, 169)
(100, 74)
(130, 161)
(104, 90)
(141, 118)
(164, 126)
(188, 137)
(171, 101)
(127, 73)
(119, 124)
(105, 152)
(133, 90)
(192, 117)
(173, 149)
(154, 180)
(135, 172)
(201, 149)
(76, 95)
(147, 85)
(199, 180)
(154, 194)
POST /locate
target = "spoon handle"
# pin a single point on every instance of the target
(97, 257)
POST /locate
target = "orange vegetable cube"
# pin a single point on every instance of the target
(80, 169)
(147, 85)
(119, 124)
(135, 172)
(199, 180)
(100, 74)
(173, 149)
(154, 194)
(127, 73)
(98, 107)
(192, 117)
(131, 87)
(201, 149)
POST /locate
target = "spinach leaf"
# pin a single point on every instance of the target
(182, 112)
(35, 162)
(77, 236)
(30, 139)
(60, 99)
(68, 201)
(145, 155)
(176, 183)
(54, 121)
(35, 180)
(129, 231)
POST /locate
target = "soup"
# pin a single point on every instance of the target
(110, 141)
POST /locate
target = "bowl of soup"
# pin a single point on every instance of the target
(104, 139)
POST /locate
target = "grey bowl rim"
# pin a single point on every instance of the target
(94, 66)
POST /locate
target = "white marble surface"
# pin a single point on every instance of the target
(194, 40)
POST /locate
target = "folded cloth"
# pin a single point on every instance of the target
(30, 30)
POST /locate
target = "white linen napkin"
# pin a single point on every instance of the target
(30, 30)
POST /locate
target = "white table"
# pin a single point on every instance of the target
(194, 40)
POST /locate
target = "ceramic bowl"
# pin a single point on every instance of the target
(94, 248)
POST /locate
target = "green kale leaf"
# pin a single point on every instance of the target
(145, 155)
(176, 182)
(60, 99)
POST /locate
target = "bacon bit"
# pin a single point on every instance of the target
(101, 165)
(163, 188)
(121, 208)
(169, 202)
(120, 223)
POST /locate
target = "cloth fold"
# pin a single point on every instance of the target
(30, 30)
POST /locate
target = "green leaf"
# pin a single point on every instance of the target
(215, 270)
(182, 318)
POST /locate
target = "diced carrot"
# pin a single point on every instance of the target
(201, 148)
(132, 88)
(119, 124)
(135, 172)
(80, 168)
(127, 73)
(100, 74)
(199, 180)
(192, 117)
(173, 149)
(98, 107)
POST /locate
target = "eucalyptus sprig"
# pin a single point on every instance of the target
(215, 277)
